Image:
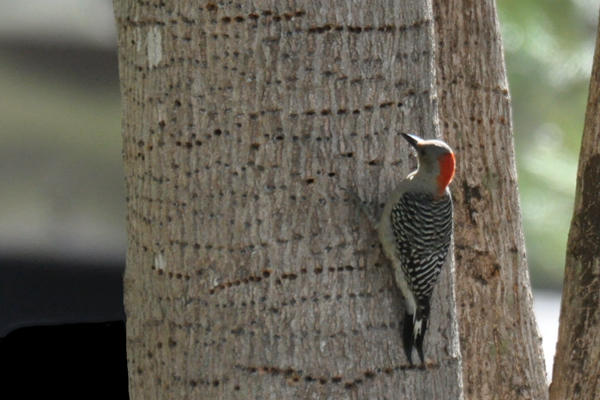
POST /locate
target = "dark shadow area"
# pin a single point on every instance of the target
(78, 361)
(55, 338)
(36, 292)
(92, 68)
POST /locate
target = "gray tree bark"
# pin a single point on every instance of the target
(576, 372)
(500, 344)
(249, 273)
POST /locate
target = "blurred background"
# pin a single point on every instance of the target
(61, 183)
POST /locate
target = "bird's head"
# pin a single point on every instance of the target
(436, 161)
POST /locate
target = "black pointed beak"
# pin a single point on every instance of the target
(412, 139)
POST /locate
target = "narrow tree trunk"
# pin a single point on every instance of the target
(500, 344)
(248, 276)
(577, 361)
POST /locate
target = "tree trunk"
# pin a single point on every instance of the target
(249, 274)
(500, 344)
(577, 361)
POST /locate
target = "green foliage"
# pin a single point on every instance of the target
(549, 48)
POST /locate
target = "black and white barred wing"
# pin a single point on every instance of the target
(423, 228)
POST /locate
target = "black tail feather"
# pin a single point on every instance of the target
(407, 336)
(412, 339)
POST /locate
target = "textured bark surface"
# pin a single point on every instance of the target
(500, 344)
(576, 372)
(249, 273)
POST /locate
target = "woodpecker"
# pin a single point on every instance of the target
(415, 231)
